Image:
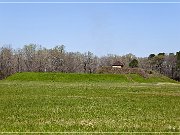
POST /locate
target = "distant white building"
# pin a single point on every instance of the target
(118, 64)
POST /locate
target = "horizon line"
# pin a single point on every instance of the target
(78, 2)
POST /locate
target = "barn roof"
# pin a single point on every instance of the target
(118, 63)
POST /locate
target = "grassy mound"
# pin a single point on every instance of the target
(72, 77)
(88, 107)
(31, 102)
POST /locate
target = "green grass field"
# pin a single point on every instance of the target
(46, 102)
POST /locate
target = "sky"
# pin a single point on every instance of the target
(140, 29)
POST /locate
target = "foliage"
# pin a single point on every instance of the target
(151, 56)
(164, 64)
(34, 58)
(133, 63)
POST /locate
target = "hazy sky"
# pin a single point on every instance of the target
(103, 29)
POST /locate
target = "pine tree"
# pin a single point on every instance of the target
(133, 63)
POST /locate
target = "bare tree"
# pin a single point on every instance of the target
(6, 61)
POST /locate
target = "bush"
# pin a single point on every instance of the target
(133, 63)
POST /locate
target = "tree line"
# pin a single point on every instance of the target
(34, 58)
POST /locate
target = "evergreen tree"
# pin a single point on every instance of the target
(133, 63)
